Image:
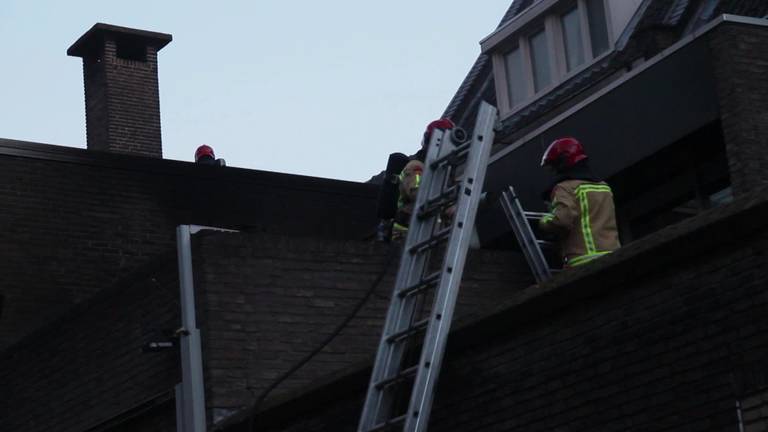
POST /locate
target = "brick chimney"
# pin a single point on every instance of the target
(122, 101)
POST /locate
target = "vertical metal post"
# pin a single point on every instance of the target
(192, 386)
(179, 393)
(739, 416)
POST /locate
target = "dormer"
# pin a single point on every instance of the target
(549, 42)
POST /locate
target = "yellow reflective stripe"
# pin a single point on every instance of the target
(593, 188)
(586, 226)
(547, 218)
(586, 229)
(397, 227)
(553, 206)
(418, 180)
(579, 260)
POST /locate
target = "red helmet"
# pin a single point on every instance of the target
(204, 150)
(443, 123)
(563, 153)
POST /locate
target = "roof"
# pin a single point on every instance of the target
(481, 68)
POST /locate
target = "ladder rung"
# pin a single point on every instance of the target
(387, 424)
(410, 331)
(446, 198)
(402, 375)
(432, 241)
(454, 157)
(425, 283)
(534, 215)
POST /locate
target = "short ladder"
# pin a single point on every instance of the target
(530, 245)
(425, 292)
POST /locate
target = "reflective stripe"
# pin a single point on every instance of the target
(586, 226)
(418, 181)
(397, 227)
(586, 230)
(579, 260)
(588, 187)
(547, 218)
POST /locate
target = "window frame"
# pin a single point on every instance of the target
(548, 15)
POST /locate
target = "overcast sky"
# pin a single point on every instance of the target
(320, 88)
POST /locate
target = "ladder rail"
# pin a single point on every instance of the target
(518, 219)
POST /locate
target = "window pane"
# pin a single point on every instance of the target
(598, 27)
(574, 48)
(540, 60)
(513, 62)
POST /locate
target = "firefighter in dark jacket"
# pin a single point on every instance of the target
(410, 179)
(582, 214)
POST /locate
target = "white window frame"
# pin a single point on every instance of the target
(546, 14)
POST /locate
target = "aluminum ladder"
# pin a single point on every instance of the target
(530, 245)
(416, 330)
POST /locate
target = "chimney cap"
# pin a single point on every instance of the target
(93, 38)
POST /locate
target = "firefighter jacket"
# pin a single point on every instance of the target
(410, 180)
(583, 218)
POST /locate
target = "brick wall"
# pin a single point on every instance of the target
(267, 301)
(133, 103)
(740, 61)
(77, 373)
(264, 302)
(667, 334)
(75, 222)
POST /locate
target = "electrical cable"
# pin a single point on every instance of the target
(254, 413)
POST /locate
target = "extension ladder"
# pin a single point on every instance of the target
(530, 245)
(425, 291)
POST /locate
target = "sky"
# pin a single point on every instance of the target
(318, 88)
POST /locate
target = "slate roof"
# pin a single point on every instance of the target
(661, 23)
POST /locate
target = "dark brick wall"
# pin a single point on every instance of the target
(740, 61)
(79, 372)
(267, 301)
(666, 335)
(122, 101)
(75, 222)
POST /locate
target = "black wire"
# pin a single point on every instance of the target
(394, 248)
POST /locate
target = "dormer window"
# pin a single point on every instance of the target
(545, 45)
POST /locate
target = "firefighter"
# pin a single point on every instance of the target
(410, 179)
(582, 215)
(388, 195)
(204, 155)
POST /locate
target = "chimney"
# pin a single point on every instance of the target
(122, 101)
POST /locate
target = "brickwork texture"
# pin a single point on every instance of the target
(75, 222)
(740, 57)
(77, 373)
(268, 301)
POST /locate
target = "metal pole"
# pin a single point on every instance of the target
(739, 416)
(179, 393)
(192, 386)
